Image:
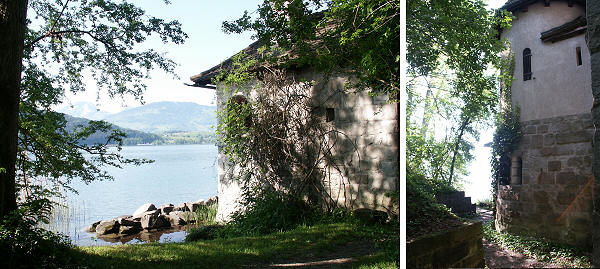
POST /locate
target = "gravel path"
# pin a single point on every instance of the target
(497, 256)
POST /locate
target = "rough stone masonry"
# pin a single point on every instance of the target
(593, 38)
(554, 199)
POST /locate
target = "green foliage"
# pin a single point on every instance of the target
(356, 37)
(285, 213)
(22, 245)
(305, 243)
(422, 208)
(234, 129)
(207, 213)
(205, 232)
(65, 41)
(453, 50)
(184, 138)
(508, 129)
(565, 255)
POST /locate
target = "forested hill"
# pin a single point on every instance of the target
(157, 118)
(133, 137)
(167, 117)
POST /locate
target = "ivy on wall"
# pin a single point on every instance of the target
(508, 129)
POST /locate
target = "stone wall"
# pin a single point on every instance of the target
(553, 200)
(366, 151)
(458, 248)
(593, 38)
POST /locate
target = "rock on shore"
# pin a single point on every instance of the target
(148, 217)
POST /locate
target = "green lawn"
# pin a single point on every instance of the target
(319, 242)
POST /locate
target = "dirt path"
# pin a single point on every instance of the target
(497, 256)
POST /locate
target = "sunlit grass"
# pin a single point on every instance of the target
(311, 242)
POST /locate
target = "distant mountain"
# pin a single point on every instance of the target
(165, 117)
(83, 110)
(133, 137)
(158, 118)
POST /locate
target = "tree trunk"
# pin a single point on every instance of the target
(456, 145)
(13, 14)
(425, 124)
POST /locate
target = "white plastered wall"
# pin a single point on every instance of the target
(370, 130)
(558, 86)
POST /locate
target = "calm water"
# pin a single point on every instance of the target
(180, 173)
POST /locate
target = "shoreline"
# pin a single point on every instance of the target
(149, 223)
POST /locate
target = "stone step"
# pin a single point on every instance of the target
(457, 202)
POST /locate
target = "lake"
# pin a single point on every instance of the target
(180, 173)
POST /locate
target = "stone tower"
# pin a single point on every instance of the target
(550, 190)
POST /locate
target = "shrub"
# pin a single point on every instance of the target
(207, 214)
(422, 208)
(270, 211)
(22, 245)
(208, 232)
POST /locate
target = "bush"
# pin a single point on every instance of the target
(204, 233)
(269, 211)
(22, 245)
(207, 214)
(422, 208)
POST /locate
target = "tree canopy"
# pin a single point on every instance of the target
(453, 77)
(65, 45)
(361, 38)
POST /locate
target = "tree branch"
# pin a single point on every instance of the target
(74, 31)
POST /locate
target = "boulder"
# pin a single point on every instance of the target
(212, 200)
(126, 230)
(189, 217)
(176, 218)
(129, 222)
(201, 202)
(166, 209)
(181, 207)
(144, 208)
(191, 206)
(92, 228)
(121, 218)
(154, 222)
(107, 227)
(151, 212)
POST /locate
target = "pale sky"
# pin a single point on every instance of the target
(205, 47)
(477, 185)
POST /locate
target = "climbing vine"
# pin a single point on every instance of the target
(279, 139)
(508, 128)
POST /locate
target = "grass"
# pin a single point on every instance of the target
(311, 243)
(565, 255)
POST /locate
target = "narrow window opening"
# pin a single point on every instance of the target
(578, 52)
(527, 64)
(330, 114)
(516, 170)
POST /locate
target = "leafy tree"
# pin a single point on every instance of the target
(50, 53)
(360, 38)
(455, 42)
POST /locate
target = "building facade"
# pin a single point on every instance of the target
(366, 147)
(550, 188)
